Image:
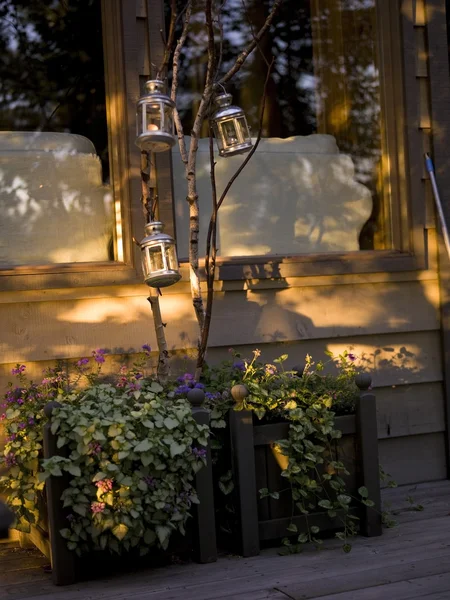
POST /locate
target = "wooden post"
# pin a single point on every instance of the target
(62, 559)
(244, 473)
(205, 518)
(367, 440)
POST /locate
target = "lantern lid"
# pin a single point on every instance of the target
(154, 234)
(156, 91)
(226, 110)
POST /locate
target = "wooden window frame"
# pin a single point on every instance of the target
(403, 160)
(132, 41)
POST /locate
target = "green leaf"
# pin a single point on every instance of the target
(148, 424)
(292, 527)
(325, 504)
(65, 533)
(274, 495)
(120, 531)
(170, 423)
(80, 509)
(74, 470)
(344, 499)
(149, 537)
(363, 492)
(163, 534)
(226, 487)
(314, 529)
(302, 538)
(99, 476)
(347, 548)
(176, 449)
(143, 446)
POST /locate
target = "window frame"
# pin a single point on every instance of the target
(402, 160)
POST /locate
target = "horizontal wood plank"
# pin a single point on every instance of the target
(414, 459)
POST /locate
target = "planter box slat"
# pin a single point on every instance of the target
(276, 528)
(273, 432)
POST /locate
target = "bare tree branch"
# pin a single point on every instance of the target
(211, 239)
(149, 204)
(160, 74)
(251, 46)
(192, 195)
(175, 72)
(249, 21)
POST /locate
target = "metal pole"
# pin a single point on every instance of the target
(430, 168)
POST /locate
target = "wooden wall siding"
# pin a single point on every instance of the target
(70, 328)
(415, 458)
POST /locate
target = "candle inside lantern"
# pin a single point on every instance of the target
(152, 127)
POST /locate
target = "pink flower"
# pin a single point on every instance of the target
(97, 507)
(105, 485)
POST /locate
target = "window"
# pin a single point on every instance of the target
(58, 203)
(325, 176)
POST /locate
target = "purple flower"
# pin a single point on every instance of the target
(199, 386)
(97, 507)
(270, 369)
(150, 481)
(95, 447)
(18, 370)
(351, 357)
(22, 425)
(239, 365)
(31, 421)
(11, 438)
(133, 387)
(82, 361)
(10, 459)
(183, 389)
(20, 401)
(138, 376)
(99, 355)
(70, 517)
(212, 396)
(199, 452)
(186, 378)
(146, 348)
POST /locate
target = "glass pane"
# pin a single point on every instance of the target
(154, 113)
(229, 133)
(244, 133)
(171, 258)
(54, 163)
(168, 119)
(321, 152)
(156, 258)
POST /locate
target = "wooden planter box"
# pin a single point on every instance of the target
(255, 467)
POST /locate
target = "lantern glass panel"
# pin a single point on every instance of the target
(154, 117)
(171, 258)
(156, 258)
(229, 133)
(168, 119)
(243, 131)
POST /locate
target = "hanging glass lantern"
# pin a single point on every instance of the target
(230, 127)
(155, 128)
(159, 257)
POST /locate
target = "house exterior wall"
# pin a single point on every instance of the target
(391, 320)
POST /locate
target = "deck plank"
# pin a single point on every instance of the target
(413, 558)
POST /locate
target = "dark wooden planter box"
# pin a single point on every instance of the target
(255, 467)
(201, 533)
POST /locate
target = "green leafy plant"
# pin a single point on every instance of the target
(131, 456)
(308, 398)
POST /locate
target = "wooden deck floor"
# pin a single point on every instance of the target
(410, 561)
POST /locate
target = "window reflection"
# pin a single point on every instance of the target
(325, 82)
(53, 121)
